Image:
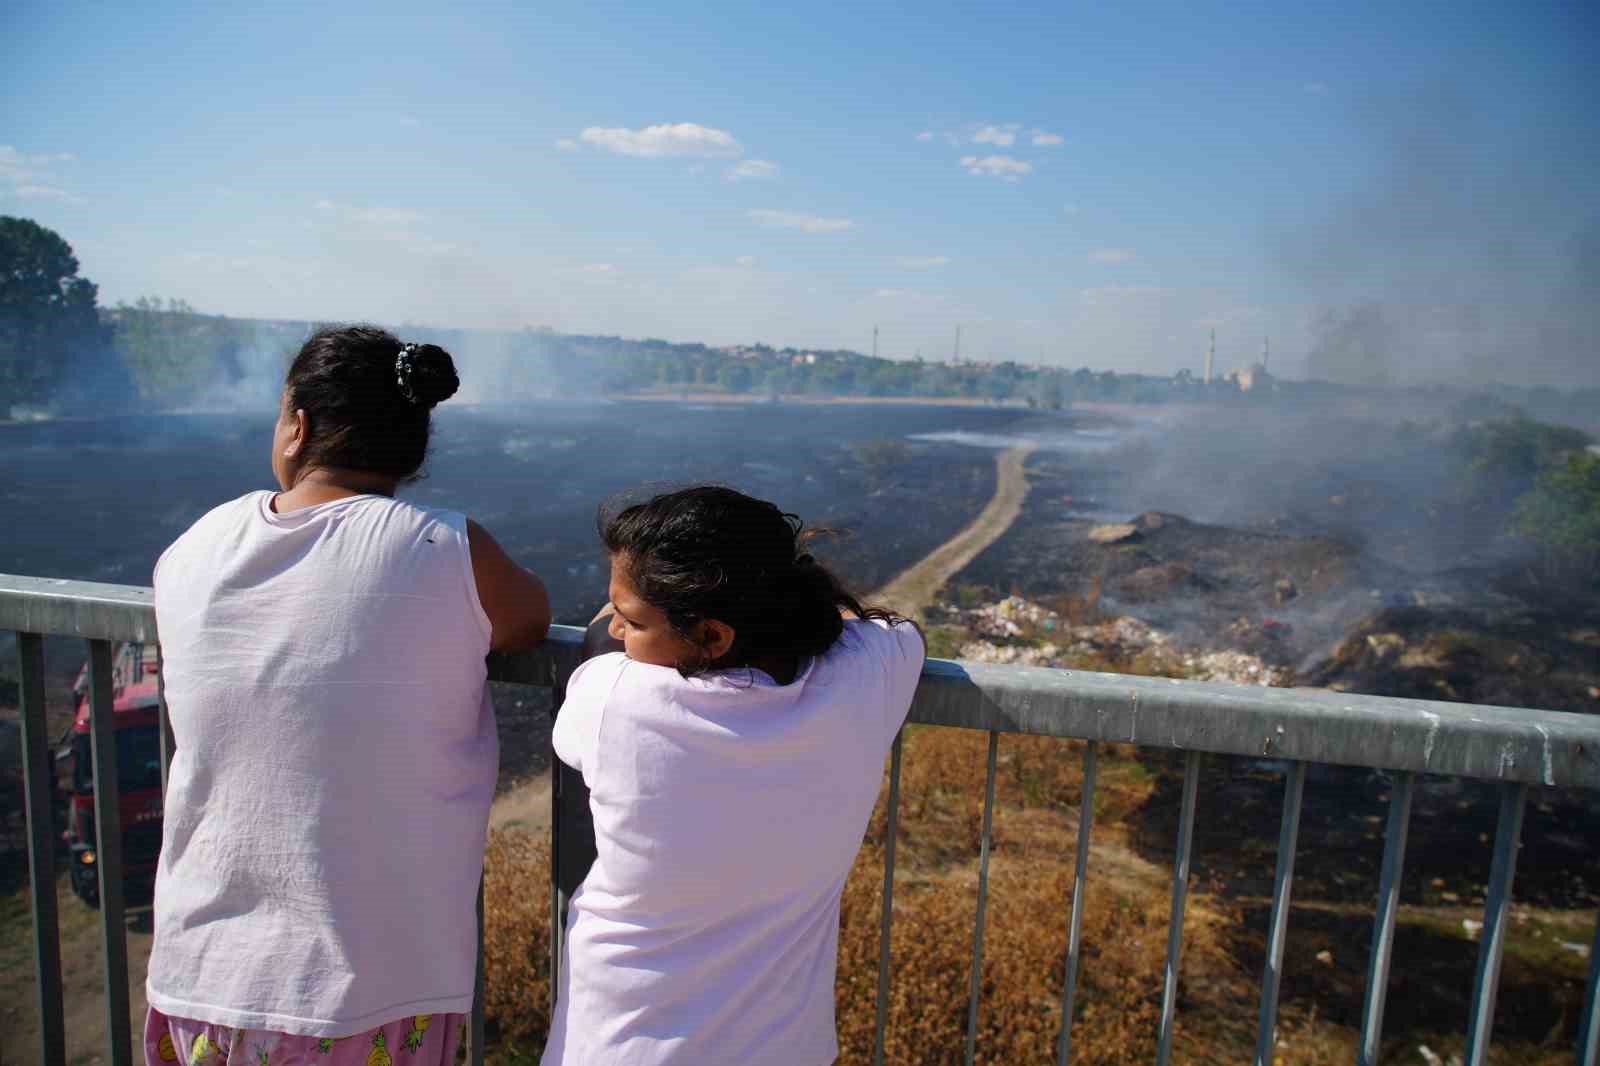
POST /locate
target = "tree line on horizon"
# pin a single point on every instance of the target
(60, 350)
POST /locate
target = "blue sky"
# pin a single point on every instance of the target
(1081, 186)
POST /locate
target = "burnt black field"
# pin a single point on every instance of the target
(100, 499)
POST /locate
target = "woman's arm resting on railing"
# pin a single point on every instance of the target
(514, 599)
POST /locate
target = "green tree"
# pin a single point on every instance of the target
(1504, 456)
(172, 351)
(1562, 516)
(49, 326)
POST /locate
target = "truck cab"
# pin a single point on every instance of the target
(136, 724)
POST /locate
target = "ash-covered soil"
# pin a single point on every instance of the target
(1340, 580)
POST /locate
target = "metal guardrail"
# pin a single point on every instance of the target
(1516, 747)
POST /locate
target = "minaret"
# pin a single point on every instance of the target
(957, 357)
(1211, 354)
(1264, 353)
(874, 342)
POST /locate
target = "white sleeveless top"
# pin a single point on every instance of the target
(728, 811)
(336, 758)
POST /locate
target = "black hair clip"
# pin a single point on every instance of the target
(403, 365)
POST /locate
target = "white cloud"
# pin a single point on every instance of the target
(28, 177)
(1111, 255)
(752, 168)
(1003, 136)
(377, 224)
(378, 218)
(922, 262)
(997, 166)
(668, 139)
(1046, 139)
(746, 260)
(1101, 294)
(592, 269)
(925, 135)
(44, 192)
(791, 220)
(567, 144)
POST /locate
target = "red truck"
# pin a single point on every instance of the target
(137, 727)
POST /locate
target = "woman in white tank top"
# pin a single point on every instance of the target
(335, 746)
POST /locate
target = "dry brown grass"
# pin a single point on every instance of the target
(516, 934)
(1038, 791)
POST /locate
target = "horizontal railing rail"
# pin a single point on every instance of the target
(1514, 747)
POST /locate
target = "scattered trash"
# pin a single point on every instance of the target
(1114, 533)
(1580, 950)
(1008, 628)
(1325, 957)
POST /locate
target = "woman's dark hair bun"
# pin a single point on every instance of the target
(433, 375)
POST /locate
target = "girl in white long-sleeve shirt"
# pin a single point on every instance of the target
(733, 754)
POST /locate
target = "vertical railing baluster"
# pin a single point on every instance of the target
(1589, 1025)
(38, 776)
(1080, 876)
(572, 846)
(108, 850)
(1508, 833)
(1180, 895)
(886, 919)
(475, 1023)
(1294, 786)
(168, 746)
(558, 902)
(983, 902)
(1394, 857)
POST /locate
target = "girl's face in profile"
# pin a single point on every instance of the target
(648, 637)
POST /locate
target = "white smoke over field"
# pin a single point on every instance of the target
(1449, 261)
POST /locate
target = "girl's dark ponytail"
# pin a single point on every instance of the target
(712, 552)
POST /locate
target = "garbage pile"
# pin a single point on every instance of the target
(1016, 631)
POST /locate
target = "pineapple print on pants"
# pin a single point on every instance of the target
(166, 1049)
(380, 1051)
(419, 1026)
(202, 1049)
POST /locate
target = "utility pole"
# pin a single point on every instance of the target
(1211, 354)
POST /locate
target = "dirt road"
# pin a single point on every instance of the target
(913, 589)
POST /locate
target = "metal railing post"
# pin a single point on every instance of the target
(475, 1046)
(38, 775)
(1589, 1025)
(108, 851)
(1394, 857)
(1080, 878)
(983, 901)
(1180, 899)
(168, 745)
(891, 827)
(1507, 838)
(1294, 787)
